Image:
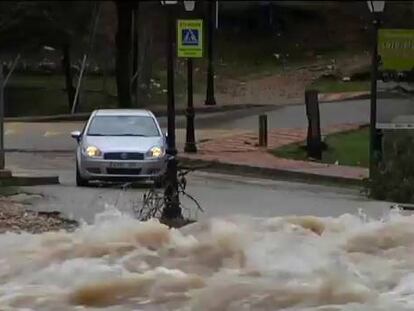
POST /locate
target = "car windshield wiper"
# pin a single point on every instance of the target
(130, 134)
(126, 134)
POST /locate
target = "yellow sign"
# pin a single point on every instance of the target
(190, 38)
(396, 48)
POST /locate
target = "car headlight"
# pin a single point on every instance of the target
(156, 152)
(93, 152)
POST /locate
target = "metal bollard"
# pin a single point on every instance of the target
(263, 130)
(314, 142)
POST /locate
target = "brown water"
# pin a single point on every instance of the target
(239, 263)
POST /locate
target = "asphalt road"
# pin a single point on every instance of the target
(356, 111)
(219, 195)
(55, 136)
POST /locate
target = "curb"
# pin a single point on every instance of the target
(25, 181)
(380, 95)
(4, 173)
(63, 151)
(356, 97)
(160, 113)
(271, 173)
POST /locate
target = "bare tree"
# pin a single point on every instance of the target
(124, 52)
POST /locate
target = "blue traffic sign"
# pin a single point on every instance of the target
(190, 36)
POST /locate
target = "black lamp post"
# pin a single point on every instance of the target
(172, 208)
(376, 8)
(190, 144)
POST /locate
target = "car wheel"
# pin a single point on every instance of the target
(80, 181)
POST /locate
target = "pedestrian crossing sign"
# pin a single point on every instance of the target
(190, 38)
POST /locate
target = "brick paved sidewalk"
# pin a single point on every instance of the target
(242, 149)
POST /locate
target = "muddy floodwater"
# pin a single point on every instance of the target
(235, 263)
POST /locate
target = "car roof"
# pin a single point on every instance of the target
(123, 112)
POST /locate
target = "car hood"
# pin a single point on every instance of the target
(123, 143)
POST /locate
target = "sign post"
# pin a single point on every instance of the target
(374, 151)
(190, 45)
(376, 8)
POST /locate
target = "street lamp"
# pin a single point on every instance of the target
(189, 5)
(172, 208)
(376, 8)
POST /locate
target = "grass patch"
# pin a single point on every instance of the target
(34, 94)
(348, 148)
(32, 102)
(57, 81)
(327, 85)
(37, 94)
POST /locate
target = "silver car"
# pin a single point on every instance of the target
(120, 144)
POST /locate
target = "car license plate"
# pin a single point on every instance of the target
(123, 165)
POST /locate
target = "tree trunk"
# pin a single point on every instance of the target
(106, 72)
(123, 53)
(67, 68)
(104, 79)
(146, 62)
(135, 55)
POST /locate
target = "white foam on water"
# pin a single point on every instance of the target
(300, 263)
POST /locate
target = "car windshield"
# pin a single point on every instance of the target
(123, 126)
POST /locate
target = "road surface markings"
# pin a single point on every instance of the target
(51, 133)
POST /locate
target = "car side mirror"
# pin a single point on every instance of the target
(76, 135)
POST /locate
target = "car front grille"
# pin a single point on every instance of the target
(123, 171)
(124, 156)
